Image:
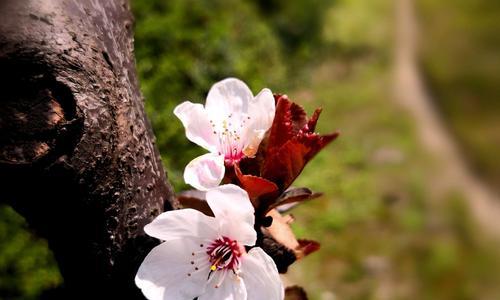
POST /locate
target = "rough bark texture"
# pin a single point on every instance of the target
(77, 155)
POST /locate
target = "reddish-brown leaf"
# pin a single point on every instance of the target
(254, 185)
(288, 121)
(286, 163)
(293, 196)
(306, 247)
(291, 143)
(315, 142)
(311, 125)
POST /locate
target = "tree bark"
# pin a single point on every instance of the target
(77, 155)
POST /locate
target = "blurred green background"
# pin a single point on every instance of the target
(385, 231)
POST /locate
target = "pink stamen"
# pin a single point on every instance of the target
(224, 253)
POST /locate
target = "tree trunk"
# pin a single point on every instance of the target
(77, 155)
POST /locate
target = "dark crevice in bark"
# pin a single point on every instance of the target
(38, 114)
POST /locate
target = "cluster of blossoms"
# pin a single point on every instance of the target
(213, 248)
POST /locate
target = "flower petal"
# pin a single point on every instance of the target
(228, 96)
(230, 200)
(231, 288)
(261, 110)
(234, 211)
(261, 276)
(164, 272)
(205, 172)
(252, 141)
(182, 223)
(197, 124)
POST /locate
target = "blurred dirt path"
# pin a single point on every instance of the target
(411, 93)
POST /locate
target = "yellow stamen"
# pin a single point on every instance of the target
(213, 267)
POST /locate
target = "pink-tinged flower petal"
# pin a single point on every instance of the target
(261, 110)
(167, 272)
(229, 287)
(261, 276)
(197, 124)
(235, 213)
(205, 172)
(230, 200)
(226, 97)
(260, 117)
(182, 223)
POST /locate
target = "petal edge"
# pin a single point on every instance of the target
(205, 172)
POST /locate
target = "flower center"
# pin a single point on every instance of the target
(224, 253)
(230, 138)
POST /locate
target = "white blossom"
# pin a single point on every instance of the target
(205, 257)
(231, 126)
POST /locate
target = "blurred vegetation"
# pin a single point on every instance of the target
(297, 24)
(27, 266)
(385, 234)
(461, 58)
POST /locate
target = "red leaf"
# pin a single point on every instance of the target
(292, 197)
(306, 247)
(254, 185)
(311, 125)
(315, 142)
(291, 143)
(288, 121)
(285, 164)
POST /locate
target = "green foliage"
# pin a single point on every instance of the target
(354, 26)
(26, 264)
(183, 47)
(297, 24)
